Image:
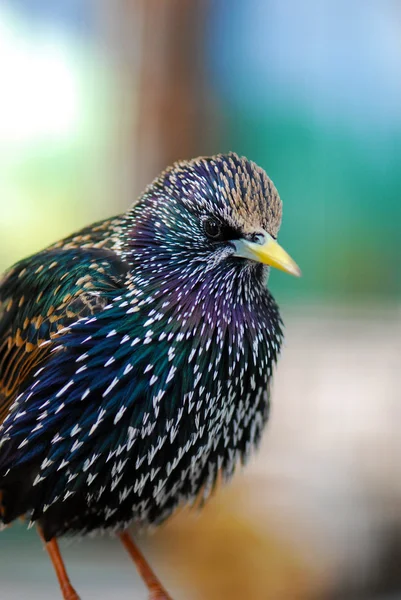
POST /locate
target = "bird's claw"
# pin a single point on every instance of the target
(159, 595)
(70, 594)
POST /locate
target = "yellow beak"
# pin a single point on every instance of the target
(268, 252)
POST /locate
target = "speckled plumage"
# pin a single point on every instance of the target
(135, 356)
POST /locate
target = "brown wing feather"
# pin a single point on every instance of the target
(48, 291)
(15, 365)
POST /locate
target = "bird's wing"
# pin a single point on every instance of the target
(43, 294)
(103, 234)
(98, 396)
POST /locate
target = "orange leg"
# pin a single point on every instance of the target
(156, 590)
(54, 553)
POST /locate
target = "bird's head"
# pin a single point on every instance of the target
(207, 213)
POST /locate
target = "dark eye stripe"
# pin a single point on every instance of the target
(219, 232)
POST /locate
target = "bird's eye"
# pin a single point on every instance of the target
(212, 228)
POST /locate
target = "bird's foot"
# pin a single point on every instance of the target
(69, 593)
(159, 594)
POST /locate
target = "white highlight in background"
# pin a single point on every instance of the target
(39, 85)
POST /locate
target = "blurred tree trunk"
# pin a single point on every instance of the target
(166, 106)
(172, 88)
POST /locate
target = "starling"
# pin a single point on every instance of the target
(136, 357)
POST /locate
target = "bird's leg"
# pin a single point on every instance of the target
(54, 553)
(156, 590)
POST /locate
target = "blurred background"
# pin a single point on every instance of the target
(96, 97)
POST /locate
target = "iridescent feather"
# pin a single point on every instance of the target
(136, 355)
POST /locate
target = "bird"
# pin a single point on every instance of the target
(136, 358)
